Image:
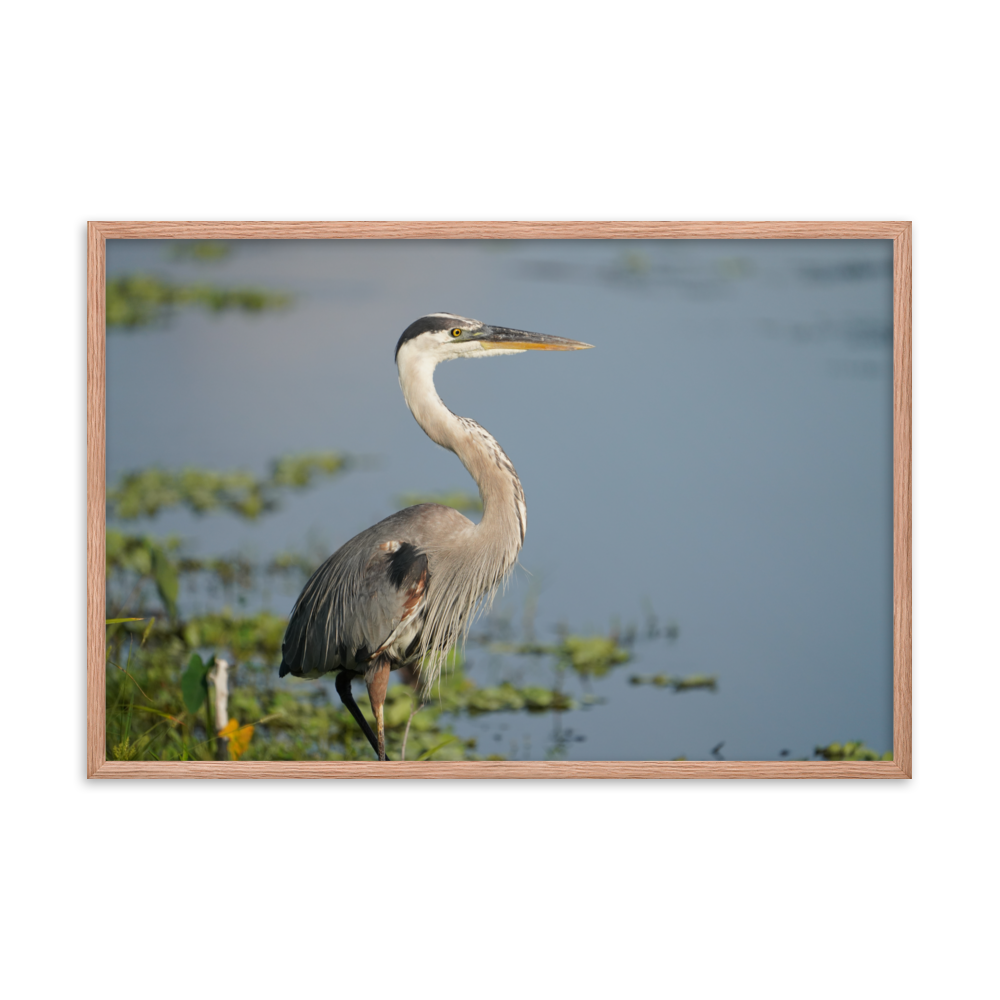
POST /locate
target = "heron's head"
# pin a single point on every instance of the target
(443, 336)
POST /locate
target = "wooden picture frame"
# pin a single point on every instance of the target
(899, 232)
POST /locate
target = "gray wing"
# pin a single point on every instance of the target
(368, 597)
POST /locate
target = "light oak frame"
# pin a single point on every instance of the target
(898, 232)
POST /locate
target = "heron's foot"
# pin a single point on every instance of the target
(378, 683)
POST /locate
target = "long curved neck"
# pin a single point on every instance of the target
(504, 513)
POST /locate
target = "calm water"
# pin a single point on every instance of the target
(721, 460)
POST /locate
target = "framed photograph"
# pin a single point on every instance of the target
(310, 554)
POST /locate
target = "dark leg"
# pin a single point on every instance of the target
(343, 686)
(378, 681)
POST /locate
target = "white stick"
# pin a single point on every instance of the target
(220, 677)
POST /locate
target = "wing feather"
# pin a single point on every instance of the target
(366, 598)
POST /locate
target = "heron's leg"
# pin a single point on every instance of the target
(343, 686)
(378, 681)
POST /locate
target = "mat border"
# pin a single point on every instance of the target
(899, 232)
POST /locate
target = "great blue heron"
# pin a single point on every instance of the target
(404, 591)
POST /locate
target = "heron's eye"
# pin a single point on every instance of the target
(456, 332)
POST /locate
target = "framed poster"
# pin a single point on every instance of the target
(599, 407)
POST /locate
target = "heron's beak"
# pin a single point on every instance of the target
(499, 338)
